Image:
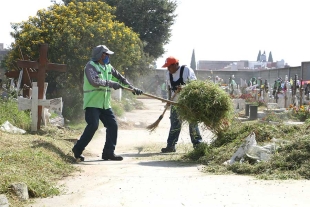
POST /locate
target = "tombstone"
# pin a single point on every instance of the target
(238, 104)
(294, 90)
(42, 67)
(272, 106)
(253, 112)
(247, 109)
(34, 102)
(289, 98)
(281, 101)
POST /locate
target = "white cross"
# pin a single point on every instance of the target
(34, 102)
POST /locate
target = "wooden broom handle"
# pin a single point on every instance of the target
(152, 96)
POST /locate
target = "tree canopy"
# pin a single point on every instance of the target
(151, 19)
(71, 32)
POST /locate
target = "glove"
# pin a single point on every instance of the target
(137, 91)
(115, 85)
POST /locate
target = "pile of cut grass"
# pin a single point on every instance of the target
(291, 160)
(205, 102)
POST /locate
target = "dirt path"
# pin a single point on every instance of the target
(145, 178)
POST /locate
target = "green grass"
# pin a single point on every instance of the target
(9, 112)
(39, 160)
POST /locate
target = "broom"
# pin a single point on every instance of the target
(152, 96)
(153, 126)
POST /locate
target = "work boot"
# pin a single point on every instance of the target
(78, 155)
(111, 156)
(168, 149)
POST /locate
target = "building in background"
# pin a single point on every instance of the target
(261, 63)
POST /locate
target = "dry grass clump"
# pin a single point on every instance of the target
(205, 102)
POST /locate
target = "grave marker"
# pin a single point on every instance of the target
(42, 67)
(34, 103)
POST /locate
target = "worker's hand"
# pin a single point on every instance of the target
(115, 85)
(137, 91)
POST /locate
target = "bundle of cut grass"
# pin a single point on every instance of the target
(205, 102)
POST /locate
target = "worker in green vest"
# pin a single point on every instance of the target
(99, 78)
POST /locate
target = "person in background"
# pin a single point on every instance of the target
(218, 80)
(164, 90)
(99, 78)
(178, 76)
(232, 85)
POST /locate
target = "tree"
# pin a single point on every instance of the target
(71, 32)
(151, 19)
(193, 60)
(270, 59)
(258, 56)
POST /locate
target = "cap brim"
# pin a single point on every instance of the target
(109, 52)
(166, 65)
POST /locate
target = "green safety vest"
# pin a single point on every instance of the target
(98, 97)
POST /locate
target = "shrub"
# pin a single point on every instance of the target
(9, 112)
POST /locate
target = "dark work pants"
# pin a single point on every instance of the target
(92, 117)
(175, 129)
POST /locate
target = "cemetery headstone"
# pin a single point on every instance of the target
(42, 66)
(34, 102)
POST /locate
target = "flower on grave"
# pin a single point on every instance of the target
(301, 113)
(249, 98)
(261, 103)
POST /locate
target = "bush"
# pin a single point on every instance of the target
(73, 104)
(9, 112)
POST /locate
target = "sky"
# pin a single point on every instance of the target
(230, 30)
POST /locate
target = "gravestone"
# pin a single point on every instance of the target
(281, 101)
(239, 104)
(41, 67)
(34, 102)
